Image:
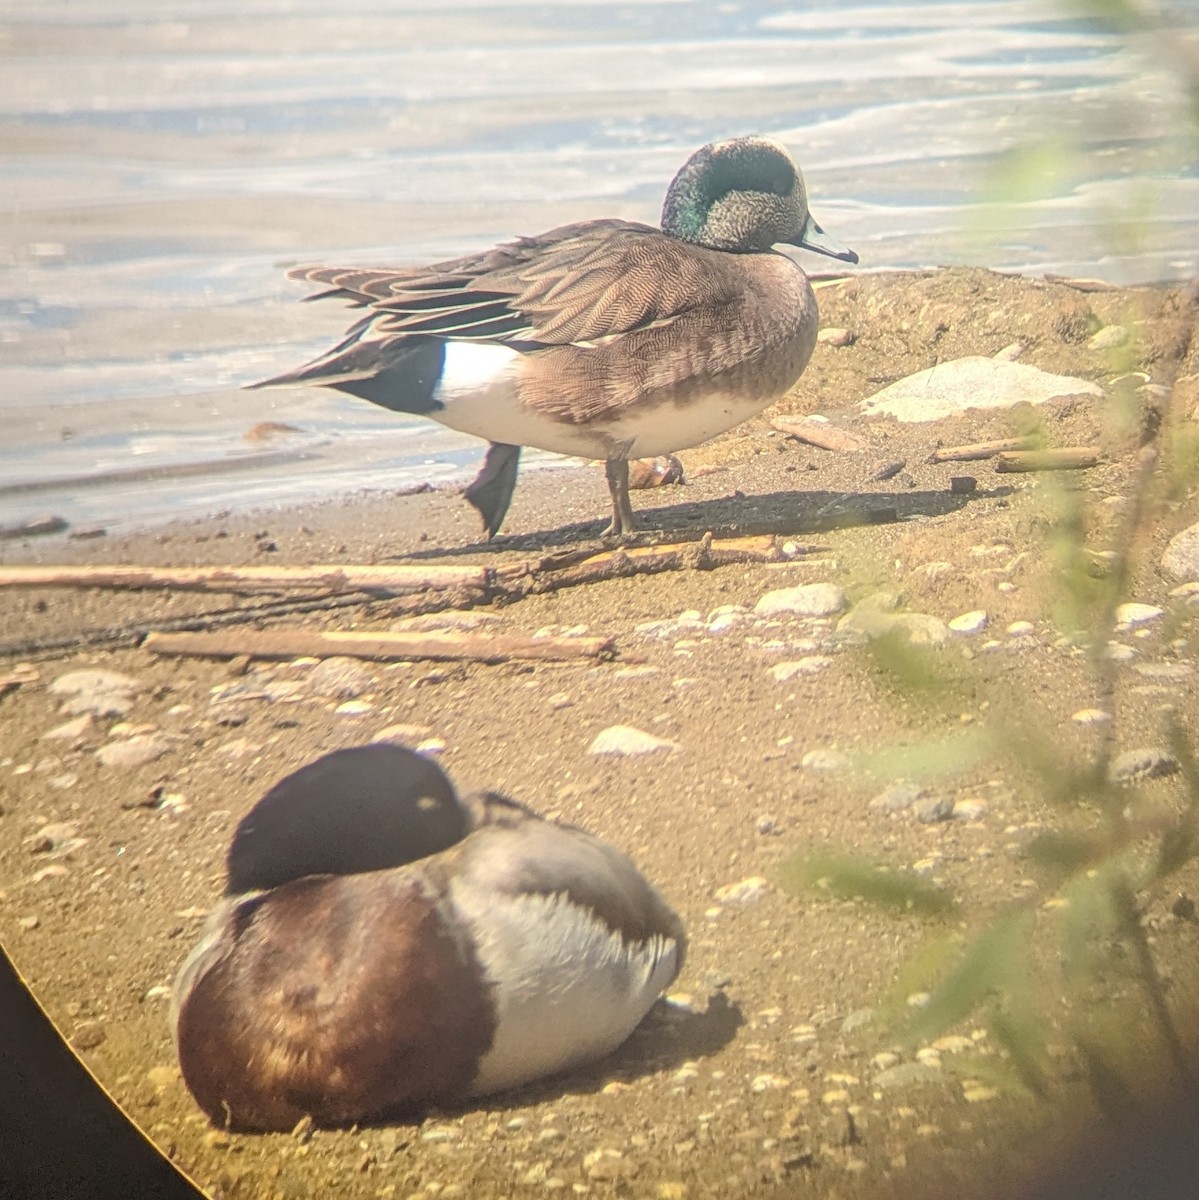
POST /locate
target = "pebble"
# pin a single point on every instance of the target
(968, 623)
(100, 693)
(746, 891)
(132, 752)
(340, 678)
(806, 600)
(824, 760)
(976, 1093)
(1181, 558)
(869, 621)
(812, 664)
(1165, 670)
(1118, 652)
(1021, 628)
(409, 736)
(954, 1043)
(1091, 716)
(857, 1019)
(969, 810)
(33, 527)
(769, 1083)
(908, 1075)
(1110, 337)
(897, 796)
(933, 810)
(56, 839)
(71, 731)
(835, 335)
(1150, 762)
(354, 708)
(28, 923)
(1137, 614)
(608, 1164)
(88, 1035)
(624, 740)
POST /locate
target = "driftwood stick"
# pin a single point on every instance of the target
(978, 450)
(380, 645)
(332, 577)
(1070, 458)
(818, 433)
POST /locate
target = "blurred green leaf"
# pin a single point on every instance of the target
(1064, 853)
(996, 956)
(930, 759)
(1018, 1031)
(858, 879)
(1087, 921)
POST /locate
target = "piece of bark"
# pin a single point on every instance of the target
(382, 646)
(978, 450)
(330, 577)
(818, 433)
(1069, 458)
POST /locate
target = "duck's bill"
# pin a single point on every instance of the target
(814, 238)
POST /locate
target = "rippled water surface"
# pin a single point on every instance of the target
(161, 161)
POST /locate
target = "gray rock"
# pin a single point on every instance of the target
(897, 796)
(933, 810)
(824, 760)
(1181, 559)
(101, 693)
(1110, 337)
(624, 741)
(866, 622)
(975, 382)
(908, 1075)
(806, 600)
(132, 752)
(812, 664)
(70, 731)
(340, 678)
(1165, 670)
(858, 1019)
(1149, 762)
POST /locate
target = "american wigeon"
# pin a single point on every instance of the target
(384, 946)
(606, 339)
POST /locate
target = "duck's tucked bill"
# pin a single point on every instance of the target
(385, 946)
(606, 339)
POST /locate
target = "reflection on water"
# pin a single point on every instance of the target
(163, 159)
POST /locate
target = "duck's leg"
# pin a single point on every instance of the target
(491, 490)
(617, 471)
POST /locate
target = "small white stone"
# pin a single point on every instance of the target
(747, 891)
(806, 600)
(968, 623)
(811, 665)
(1118, 652)
(1137, 614)
(354, 708)
(969, 810)
(624, 740)
(1091, 716)
(1021, 628)
(824, 760)
(133, 752)
(768, 1083)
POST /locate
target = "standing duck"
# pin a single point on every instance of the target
(606, 339)
(384, 946)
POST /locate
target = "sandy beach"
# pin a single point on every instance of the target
(761, 1074)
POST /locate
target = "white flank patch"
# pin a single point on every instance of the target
(566, 989)
(479, 389)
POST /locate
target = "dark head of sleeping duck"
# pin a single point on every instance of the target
(384, 946)
(605, 339)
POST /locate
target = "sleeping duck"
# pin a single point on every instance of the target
(384, 946)
(607, 339)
